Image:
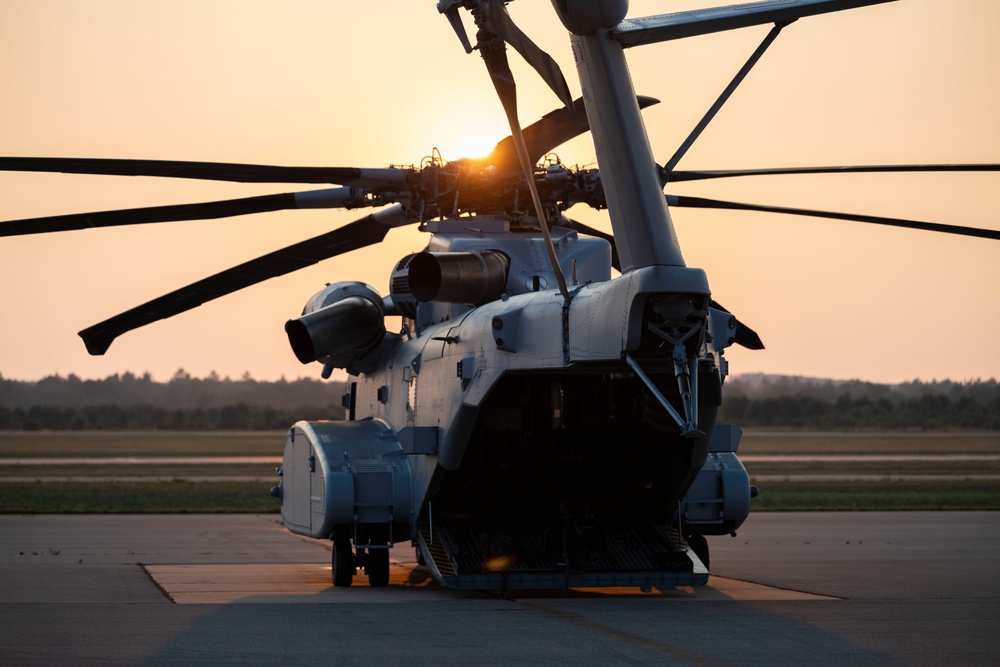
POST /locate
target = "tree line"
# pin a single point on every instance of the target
(133, 402)
(929, 412)
(183, 403)
(146, 417)
(181, 391)
(762, 385)
(759, 399)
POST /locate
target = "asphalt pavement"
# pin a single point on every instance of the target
(820, 588)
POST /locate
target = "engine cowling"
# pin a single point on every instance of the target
(474, 278)
(345, 318)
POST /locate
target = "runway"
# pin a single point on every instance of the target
(791, 588)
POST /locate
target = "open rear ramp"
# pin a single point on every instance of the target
(501, 555)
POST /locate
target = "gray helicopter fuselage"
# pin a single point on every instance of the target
(521, 406)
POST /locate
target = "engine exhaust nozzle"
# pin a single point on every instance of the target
(459, 277)
(352, 324)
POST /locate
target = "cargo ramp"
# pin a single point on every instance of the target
(480, 554)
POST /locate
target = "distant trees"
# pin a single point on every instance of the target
(129, 401)
(147, 417)
(929, 411)
(186, 403)
(181, 391)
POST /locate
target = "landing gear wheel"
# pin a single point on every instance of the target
(343, 563)
(377, 567)
(699, 545)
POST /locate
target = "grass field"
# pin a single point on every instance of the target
(234, 496)
(141, 443)
(872, 496)
(867, 442)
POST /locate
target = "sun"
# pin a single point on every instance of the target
(469, 142)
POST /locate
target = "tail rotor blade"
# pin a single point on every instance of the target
(699, 202)
(361, 233)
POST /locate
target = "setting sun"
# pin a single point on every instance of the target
(469, 142)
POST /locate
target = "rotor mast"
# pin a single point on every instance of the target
(643, 230)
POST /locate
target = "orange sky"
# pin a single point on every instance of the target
(369, 84)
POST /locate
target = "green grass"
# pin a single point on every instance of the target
(867, 442)
(177, 497)
(141, 443)
(226, 496)
(144, 470)
(872, 496)
(873, 468)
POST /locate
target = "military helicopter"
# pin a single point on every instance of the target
(534, 423)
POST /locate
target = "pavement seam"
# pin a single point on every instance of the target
(156, 583)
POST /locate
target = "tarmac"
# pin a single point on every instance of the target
(868, 588)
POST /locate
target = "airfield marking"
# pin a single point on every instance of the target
(310, 583)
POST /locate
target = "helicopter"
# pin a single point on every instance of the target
(534, 422)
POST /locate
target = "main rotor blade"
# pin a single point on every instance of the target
(653, 29)
(541, 137)
(209, 171)
(500, 23)
(678, 176)
(699, 202)
(331, 198)
(586, 229)
(363, 232)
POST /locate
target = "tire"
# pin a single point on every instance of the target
(343, 563)
(377, 567)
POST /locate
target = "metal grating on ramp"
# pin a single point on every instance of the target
(502, 554)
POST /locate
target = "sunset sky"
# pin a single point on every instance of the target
(369, 84)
